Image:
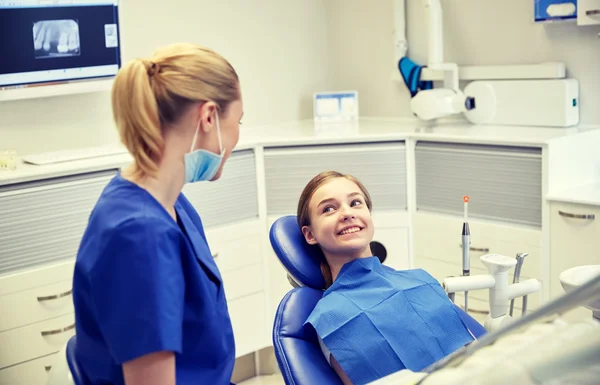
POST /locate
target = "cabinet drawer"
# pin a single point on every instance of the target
(232, 198)
(439, 237)
(27, 342)
(43, 222)
(441, 269)
(574, 241)
(34, 305)
(248, 318)
(236, 246)
(29, 279)
(33, 372)
(505, 183)
(242, 282)
(380, 167)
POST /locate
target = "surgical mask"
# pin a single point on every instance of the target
(202, 165)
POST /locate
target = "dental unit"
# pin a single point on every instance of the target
(500, 292)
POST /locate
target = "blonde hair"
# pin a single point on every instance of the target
(149, 94)
(303, 210)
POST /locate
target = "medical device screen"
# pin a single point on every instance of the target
(46, 42)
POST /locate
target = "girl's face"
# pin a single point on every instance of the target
(340, 221)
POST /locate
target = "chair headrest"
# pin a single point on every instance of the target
(300, 259)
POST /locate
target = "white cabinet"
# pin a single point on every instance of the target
(237, 249)
(588, 12)
(34, 372)
(504, 184)
(393, 232)
(574, 241)
(37, 319)
(438, 249)
(43, 221)
(41, 225)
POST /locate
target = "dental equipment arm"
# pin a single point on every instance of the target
(449, 100)
(500, 292)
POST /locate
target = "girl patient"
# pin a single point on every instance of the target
(372, 320)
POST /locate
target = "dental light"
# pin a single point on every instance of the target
(441, 102)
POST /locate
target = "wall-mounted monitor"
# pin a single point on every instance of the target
(54, 42)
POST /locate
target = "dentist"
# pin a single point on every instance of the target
(149, 302)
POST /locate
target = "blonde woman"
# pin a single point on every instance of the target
(149, 302)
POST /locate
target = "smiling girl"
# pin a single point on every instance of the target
(372, 320)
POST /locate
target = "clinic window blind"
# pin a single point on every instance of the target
(230, 199)
(43, 221)
(381, 167)
(504, 183)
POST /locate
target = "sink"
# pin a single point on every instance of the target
(577, 276)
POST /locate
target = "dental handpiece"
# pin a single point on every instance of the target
(517, 275)
(466, 244)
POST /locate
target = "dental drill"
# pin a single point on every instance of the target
(517, 275)
(466, 246)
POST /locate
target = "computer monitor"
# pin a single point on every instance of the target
(47, 42)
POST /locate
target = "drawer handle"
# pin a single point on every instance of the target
(592, 12)
(577, 216)
(48, 367)
(478, 249)
(57, 331)
(55, 296)
(215, 255)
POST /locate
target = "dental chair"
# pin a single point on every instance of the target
(66, 370)
(297, 348)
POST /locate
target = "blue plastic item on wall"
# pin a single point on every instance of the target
(554, 10)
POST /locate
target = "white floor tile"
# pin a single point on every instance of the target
(275, 379)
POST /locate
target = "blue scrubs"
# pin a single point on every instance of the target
(144, 283)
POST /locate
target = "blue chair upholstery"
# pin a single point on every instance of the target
(76, 372)
(297, 348)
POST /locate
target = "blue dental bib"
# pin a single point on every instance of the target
(376, 320)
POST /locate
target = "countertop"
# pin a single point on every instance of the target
(308, 133)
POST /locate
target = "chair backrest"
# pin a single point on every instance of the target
(297, 348)
(65, 369)
(76, 371)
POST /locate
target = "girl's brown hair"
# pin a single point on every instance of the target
(303, 211)
(150, 94)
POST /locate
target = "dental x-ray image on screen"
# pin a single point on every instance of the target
(56, 38)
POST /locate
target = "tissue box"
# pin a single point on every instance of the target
(554, 10)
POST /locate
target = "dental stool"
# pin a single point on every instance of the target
(66, 370)
(297, 348)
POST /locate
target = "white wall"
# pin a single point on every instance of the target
(476, 32)
(275, 45)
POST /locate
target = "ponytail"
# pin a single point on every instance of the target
(136, 115)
